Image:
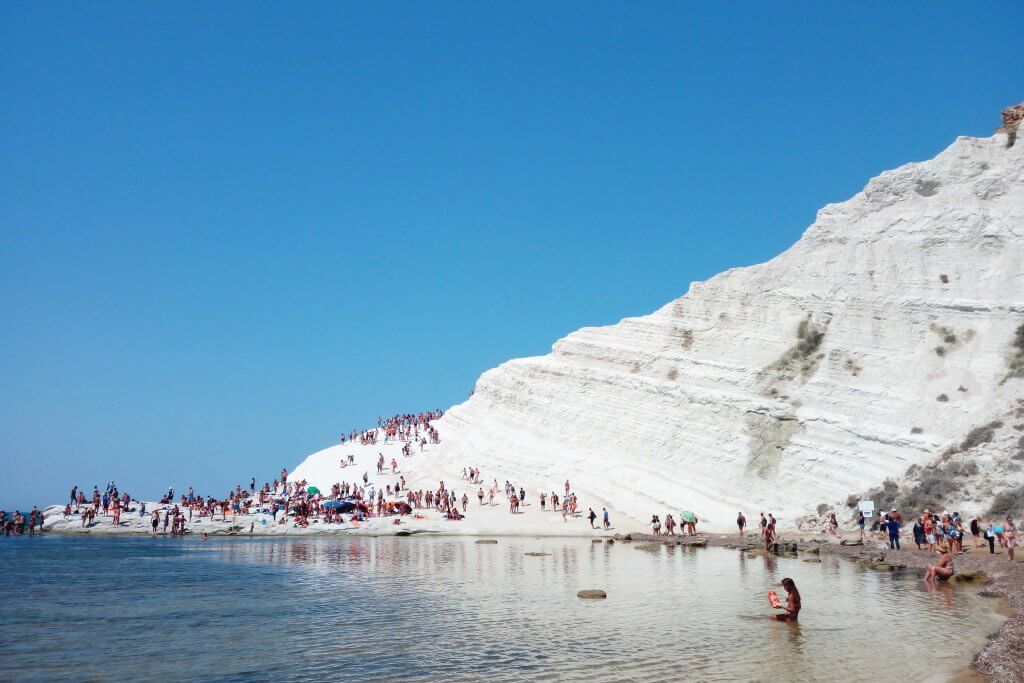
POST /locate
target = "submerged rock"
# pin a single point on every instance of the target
(649, 547)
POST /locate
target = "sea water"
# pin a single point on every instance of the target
(443, 608)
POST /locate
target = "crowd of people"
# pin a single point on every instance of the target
(567, 504)
(16, 523)
(936, 531)
(286, 500)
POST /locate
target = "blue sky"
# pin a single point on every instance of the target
(231, 231)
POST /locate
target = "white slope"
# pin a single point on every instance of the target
(783, 385)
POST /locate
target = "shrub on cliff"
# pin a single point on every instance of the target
(1008, 502)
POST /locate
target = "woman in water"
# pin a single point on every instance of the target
(943, 570)
(792, 606)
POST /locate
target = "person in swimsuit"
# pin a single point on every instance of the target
(943, 570)
(741, 522)
(1010, 534)
(792, 606)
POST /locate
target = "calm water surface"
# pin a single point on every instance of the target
(448, 609)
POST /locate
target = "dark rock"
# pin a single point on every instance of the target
(592, 594)
(486, 540)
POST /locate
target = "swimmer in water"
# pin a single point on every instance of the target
(792, 606)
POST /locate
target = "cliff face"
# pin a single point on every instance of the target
(874, 342)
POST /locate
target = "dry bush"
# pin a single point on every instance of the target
(980, 435)
(1008, 502)
(1016, 361)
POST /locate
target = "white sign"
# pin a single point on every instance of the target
(867, 507)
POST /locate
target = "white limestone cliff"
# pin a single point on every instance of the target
(878, 339)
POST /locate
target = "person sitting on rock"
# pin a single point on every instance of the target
(943, 570)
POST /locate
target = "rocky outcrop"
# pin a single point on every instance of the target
(791, 383)
(1012, 116)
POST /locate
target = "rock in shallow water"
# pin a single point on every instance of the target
(592, 594)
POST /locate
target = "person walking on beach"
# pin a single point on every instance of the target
(607, 523)
(764, 524)
(769, 535)
(592, 516)
(990, 536)
(741, 522)
(860, 524)
(1010, 536)
(670, 526)
(976, 531)
(655, 525)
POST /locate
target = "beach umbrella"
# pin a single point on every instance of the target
(312, 489)
(688, 516)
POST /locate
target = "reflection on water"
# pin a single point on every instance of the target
(422, 608)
